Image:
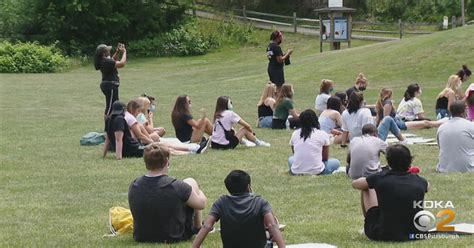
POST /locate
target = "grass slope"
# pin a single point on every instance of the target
(55, 193)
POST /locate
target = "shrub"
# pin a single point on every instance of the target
(30, 58)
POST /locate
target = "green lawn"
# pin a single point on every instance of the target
(54, 192)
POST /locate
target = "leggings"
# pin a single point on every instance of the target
(111, 92)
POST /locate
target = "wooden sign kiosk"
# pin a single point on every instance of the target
(335, 26)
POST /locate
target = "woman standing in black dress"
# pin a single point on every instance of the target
(276, 59)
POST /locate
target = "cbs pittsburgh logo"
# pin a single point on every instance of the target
(425, 221)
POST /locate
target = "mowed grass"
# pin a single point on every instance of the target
(54, 192)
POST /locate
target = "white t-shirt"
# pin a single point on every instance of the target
(409, 109)
(131, 120)
(321, 102)
(228, 119)
(354, 122)
(308, 157)
(365, 155)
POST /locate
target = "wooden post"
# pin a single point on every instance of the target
(400, 27)
(194, 8)
(349, 30)
(453, 22)
(462, 13)
(244, 12)
(320, 33)
(294, 23)
(332, 31)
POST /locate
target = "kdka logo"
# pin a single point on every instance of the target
(425, 220)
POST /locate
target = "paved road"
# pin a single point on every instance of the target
(282, 27)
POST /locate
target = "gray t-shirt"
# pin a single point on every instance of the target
(456, 146)
(365, 156)
(241, 218)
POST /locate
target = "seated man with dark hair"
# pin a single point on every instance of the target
(456, 141)
(244, 217)
(164, 209)
(389, 211)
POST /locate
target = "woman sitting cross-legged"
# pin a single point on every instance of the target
(266, 105)
(310, 148)
(188, 129)
(223, 135)
(330, 119)
(284, 108)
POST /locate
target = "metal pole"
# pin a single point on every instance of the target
(294, 23)
(462, 13)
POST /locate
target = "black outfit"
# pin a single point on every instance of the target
(278, 124)
(442, 103)
(159, 210)
(183, 130)
(351, 90)
(264, 110)
(241, 217)
(130, 146)
(110, 82)
(392, 219)
(275, 69)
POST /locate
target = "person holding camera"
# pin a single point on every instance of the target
(108, 67)
(276, 59)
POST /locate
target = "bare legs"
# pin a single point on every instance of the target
(244, 132)
(368, 200)
(423, 124)
(204, 126)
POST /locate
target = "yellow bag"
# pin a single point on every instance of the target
(120, 221)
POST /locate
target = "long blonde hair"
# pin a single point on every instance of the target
(452, 84)
(269, 91)
(385, 93)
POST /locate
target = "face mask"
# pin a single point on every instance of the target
(331, 90)
(152, 108)
(229, 106)
(362, 88)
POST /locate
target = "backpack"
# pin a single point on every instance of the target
(92, 139)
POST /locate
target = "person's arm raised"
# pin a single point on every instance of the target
(123, 60)
(205, 229)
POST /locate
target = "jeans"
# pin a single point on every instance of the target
(265, 122)
(441, 113)
(388, 124)
(329, 166)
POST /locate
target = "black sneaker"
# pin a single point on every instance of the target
(202, 146)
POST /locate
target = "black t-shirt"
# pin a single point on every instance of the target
(158, 206)
(241, 219)
(130, 145)
(109, 72)
(264, 110)
(273, 51)
(183, 130)
(396, 192)
(351, 90)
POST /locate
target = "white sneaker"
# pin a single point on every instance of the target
(262, 143)
(247, 143)
(406, 142)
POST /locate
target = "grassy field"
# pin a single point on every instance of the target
(54, 192)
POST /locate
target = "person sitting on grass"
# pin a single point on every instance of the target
(223, 135)
(244, 217)
(456, 142)
(266, 105)
(447, 96)
(164, 209)
(325, 90)
(388, 197)
(145, 117)
(410, 107)
(310, 147)
(364, 153)
(186, 128)
(330, 119)
(118, 137)
(284, 108)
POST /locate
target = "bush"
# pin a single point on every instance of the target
(30, 58)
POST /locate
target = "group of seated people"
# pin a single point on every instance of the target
(169, 210)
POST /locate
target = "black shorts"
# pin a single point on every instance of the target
(372, 226)
(233, 142)
(276, 75)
